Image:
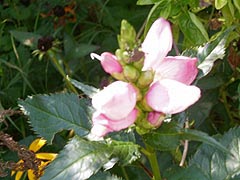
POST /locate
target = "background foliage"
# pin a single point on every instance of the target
(208, 30)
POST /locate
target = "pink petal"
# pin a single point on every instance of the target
(109, 62)
(116, 100)
(179, 68)
(155, 118)
(170, 96)
(157, 43)
(103, 125)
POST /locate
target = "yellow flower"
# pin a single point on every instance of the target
(45, 159)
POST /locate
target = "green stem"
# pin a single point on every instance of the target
(69, 85)
(152, 157)
(125, 173)
(225, 102)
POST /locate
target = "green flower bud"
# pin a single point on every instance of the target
(145, 79)
(139, 64)
(130, 73)
(122, 56)
(118, 76)
(127, 37)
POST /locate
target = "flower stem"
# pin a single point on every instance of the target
(69, 85)
(152, 157)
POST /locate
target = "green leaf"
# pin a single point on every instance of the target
(26, 38)
(192, 33)
(200, 111)
(80, 159)
(145, 2)
(104, 176)
(178, 173)
(212, 51)
(220, 3)
(160, 9)
(165, 138)
(127, 152)
(195, 135)
(168, 137)
(50, 114)
(74, 50)
(237, 4)
(86, 89)
(216, 164)
(199, 25)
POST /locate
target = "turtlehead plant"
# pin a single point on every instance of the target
(142, 118)
(162, 83)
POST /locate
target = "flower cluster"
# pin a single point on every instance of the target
(150, 84)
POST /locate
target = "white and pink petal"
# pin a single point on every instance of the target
(179, 68)
(157, 44)
(171, 97)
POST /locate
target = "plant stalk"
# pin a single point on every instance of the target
(152, 157)
(69, 85)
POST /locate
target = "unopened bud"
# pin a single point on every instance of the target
(130, 73)
(155, 118)
(127, 37)
(109, 62)
(145, 79)
(122, 56)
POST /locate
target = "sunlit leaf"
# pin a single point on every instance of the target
(50, 114)
(220, 3)
(145, 2)
(81, 158)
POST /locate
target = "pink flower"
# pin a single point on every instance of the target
(103, 125)
(155, 118)
(109, 62)
(170, 96)
(114, 108)
(157, 43)
(170, 92)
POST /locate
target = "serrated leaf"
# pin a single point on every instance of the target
(212, 51)
(127, 152)
(26, 38)
(80, 159)
(50, 114)
(216, 164)
(86, 89)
